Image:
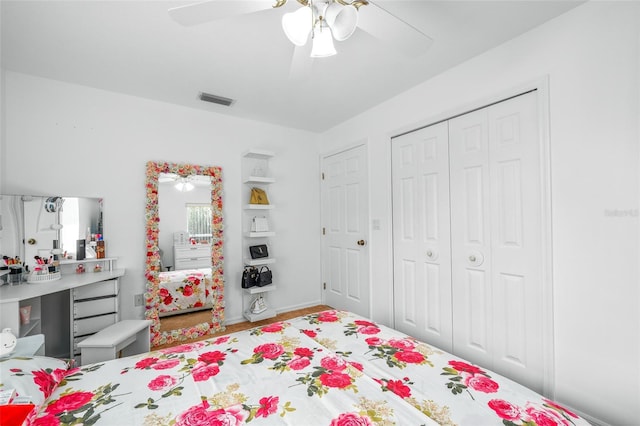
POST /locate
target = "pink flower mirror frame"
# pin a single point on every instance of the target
(152, 266)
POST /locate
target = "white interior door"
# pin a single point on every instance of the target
(496, 198)
(421, 227)
(345, 219)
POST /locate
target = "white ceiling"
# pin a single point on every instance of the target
(134, 47)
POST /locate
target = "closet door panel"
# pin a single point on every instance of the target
(516, 243)
(470, 237)
(422, 263)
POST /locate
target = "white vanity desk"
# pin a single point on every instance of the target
(65, 311)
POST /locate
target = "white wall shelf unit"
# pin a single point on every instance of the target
(257, 173)
(259, 262)
(259, 180)
(259, 207)
(259, 234)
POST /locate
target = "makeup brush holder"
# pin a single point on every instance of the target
(15, 274)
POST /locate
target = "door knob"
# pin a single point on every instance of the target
(475, 258)
(361, 242)
(432, 254)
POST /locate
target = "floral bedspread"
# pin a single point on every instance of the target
(331, 368)
(184, 290)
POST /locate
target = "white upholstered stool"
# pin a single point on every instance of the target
(129, 336)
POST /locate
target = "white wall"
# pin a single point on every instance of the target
(76, 141)
(591, 56)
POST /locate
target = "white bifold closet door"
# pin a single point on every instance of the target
(494, 248)
(422, 251)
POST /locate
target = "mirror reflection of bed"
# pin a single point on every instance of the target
(184, 208)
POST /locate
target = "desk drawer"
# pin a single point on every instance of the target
(103, 288)
(202, 250)
(93, 324)
(87, 308)
(192, 263)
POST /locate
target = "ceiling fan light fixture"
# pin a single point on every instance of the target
(184, 185)
(322, 42)
(343, 20)
(297, 25)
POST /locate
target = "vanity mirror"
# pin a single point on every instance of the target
(196, 283)
(41, 225)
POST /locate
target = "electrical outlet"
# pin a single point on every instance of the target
(138, 300)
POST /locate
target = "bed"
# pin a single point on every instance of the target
(184, 291)
(330, 368)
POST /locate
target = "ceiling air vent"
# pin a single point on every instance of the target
(220, 100)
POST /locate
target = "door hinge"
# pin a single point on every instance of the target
(324, 286)
(324, 231)
(322, 175)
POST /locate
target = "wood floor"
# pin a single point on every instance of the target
(179, 321)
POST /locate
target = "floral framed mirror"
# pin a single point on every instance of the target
(211, 283)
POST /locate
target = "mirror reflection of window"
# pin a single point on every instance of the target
(199, 222)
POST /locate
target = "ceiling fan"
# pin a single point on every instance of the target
(321, 20)
(184, 183)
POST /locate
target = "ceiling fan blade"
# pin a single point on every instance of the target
(211, 10)
(301, 63)
(167, 177)
(392, 30)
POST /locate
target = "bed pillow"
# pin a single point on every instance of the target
(33, 378)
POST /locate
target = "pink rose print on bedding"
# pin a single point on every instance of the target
(47, 379)
(201, 414)
(145, 363)
(202, 372)
(399, 387)
(335, 379)
(276, 327)
(268, 406)
(299, 363)
(325, 316)
(167, 299)
(202, 368)
(398, 352)
(162, 382)
(238, 414)
(46, 420)
(464, 376)
(328, 316)
(351, 419)
(333, 372)
(298, 359)
(361, 327)
(165, 364)
(69, 402)
(187, 290)
(333, 362)
(546, 414)
(216, 357)
(81, 407)
(186, 347)
(310, 333)
(269, 350)
(46, 382)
